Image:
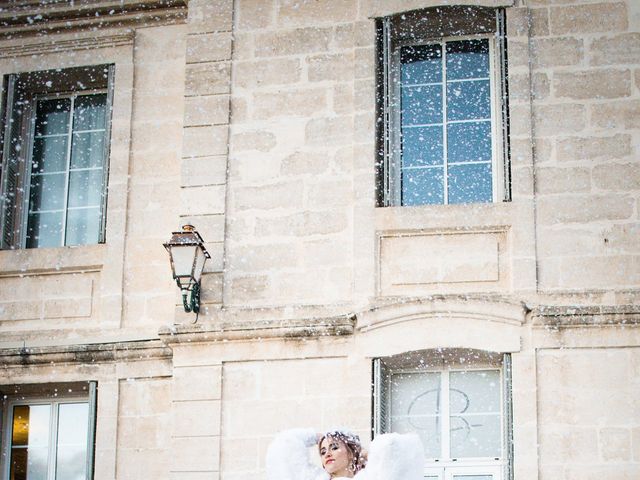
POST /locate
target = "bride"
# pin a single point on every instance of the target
(392, 456)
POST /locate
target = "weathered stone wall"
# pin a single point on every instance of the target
(143, 428)
(264, 397)
(585, 430)
(585, 60)
(133, 426)
(57, 290)
(123, 285)
(254, 120)
(205, 142)
(159, 56)
(291, 154)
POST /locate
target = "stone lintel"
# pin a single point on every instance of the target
(253, 330)
(383, 8)
(585, 316)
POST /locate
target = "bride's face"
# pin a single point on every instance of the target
(335, 457)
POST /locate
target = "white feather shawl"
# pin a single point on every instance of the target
(391, 457)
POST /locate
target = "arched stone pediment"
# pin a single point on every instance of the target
(383, 8)
(441, 322)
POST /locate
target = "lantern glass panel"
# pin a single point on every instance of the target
(183, 257)
(199, 264)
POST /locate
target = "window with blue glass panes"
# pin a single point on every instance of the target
(443, 108)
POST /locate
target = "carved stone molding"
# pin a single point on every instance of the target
(46, 44)
(585, 316)
(23, 18)
(252, 330)
(460, 260)
(85, 354)
(495, 310)
(489, 324)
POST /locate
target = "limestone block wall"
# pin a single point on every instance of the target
(261, 398)
(301, 210)
(301, 182)
(59, 290)
(154, 170)
(143, 428)
(121, 288)
(586, 107)
(255, 121)
(206, 134)
(195, 428)
(133, 427)
(584, 429)
(291, 190)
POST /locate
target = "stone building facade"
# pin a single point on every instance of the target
(269, 125)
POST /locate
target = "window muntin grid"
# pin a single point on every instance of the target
(445, 140)
(67, 170)
(415, 406)
(48, 440)
(438, 406)
(475, 414)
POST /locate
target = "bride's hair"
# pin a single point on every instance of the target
(352, 442)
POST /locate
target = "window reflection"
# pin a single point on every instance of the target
(30, 442)
(34, 427)
(67, 171)
(72, 441)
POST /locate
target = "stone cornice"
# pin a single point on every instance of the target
(44, 44)
(260, 329)
(85, 354)
(27, 17)
(585, 316)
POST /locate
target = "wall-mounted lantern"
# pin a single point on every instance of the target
(187, 253)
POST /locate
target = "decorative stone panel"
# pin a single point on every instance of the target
(412, 263)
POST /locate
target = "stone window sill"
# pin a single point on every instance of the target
(464, 216)
(37, 261)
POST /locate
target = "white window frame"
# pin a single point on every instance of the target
(391, 144)
(89, 397)
(442, 468)
(454, 473)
